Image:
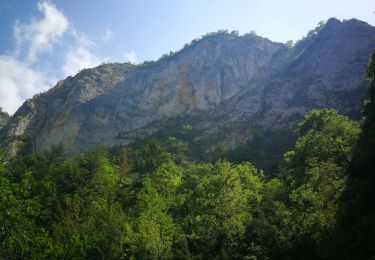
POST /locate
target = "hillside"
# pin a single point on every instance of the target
(229, 88)
(4, 118)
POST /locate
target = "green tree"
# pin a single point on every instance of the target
(150, 157)
(355, 237)
(363, 163)
(315, 172)
(154, 228)
(217, 206)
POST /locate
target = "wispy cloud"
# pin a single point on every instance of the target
(108, 35)
(80, 56)
(18, 82)
(131, 57)
(39, 36)
(22, 71)
(20, 78)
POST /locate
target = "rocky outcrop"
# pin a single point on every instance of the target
(325, 69)
(222, 81)
(4, 118)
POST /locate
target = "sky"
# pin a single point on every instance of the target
(43, 41)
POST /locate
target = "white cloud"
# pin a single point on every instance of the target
(21, 73)
(108, 35)
(18, 79)
(40, 35)
(18, 82)
(131, 57)
(80, 57)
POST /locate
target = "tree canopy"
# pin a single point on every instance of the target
(155, 202)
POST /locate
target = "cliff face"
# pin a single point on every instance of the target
(222, 81)
(325, 69)
(4, 118)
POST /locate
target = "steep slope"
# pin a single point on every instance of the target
(325, 69)
(224, 85)
(107, 102)
(327, 72)
(4, 118)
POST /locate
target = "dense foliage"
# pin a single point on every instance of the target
(156, 203)
(355, 235)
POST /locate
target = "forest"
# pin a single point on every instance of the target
(156, 202)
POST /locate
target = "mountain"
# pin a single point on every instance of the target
(4, 118)
(224, 88)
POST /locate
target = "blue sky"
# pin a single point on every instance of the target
(43, 41)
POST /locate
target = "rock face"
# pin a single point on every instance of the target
(325, 69)
(222, 81)
(4, 118)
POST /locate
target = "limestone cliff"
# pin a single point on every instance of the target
(224, 83)
(4, 118)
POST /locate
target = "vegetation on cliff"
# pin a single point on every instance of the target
(156, 203)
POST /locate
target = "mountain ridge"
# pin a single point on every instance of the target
(222, 81)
